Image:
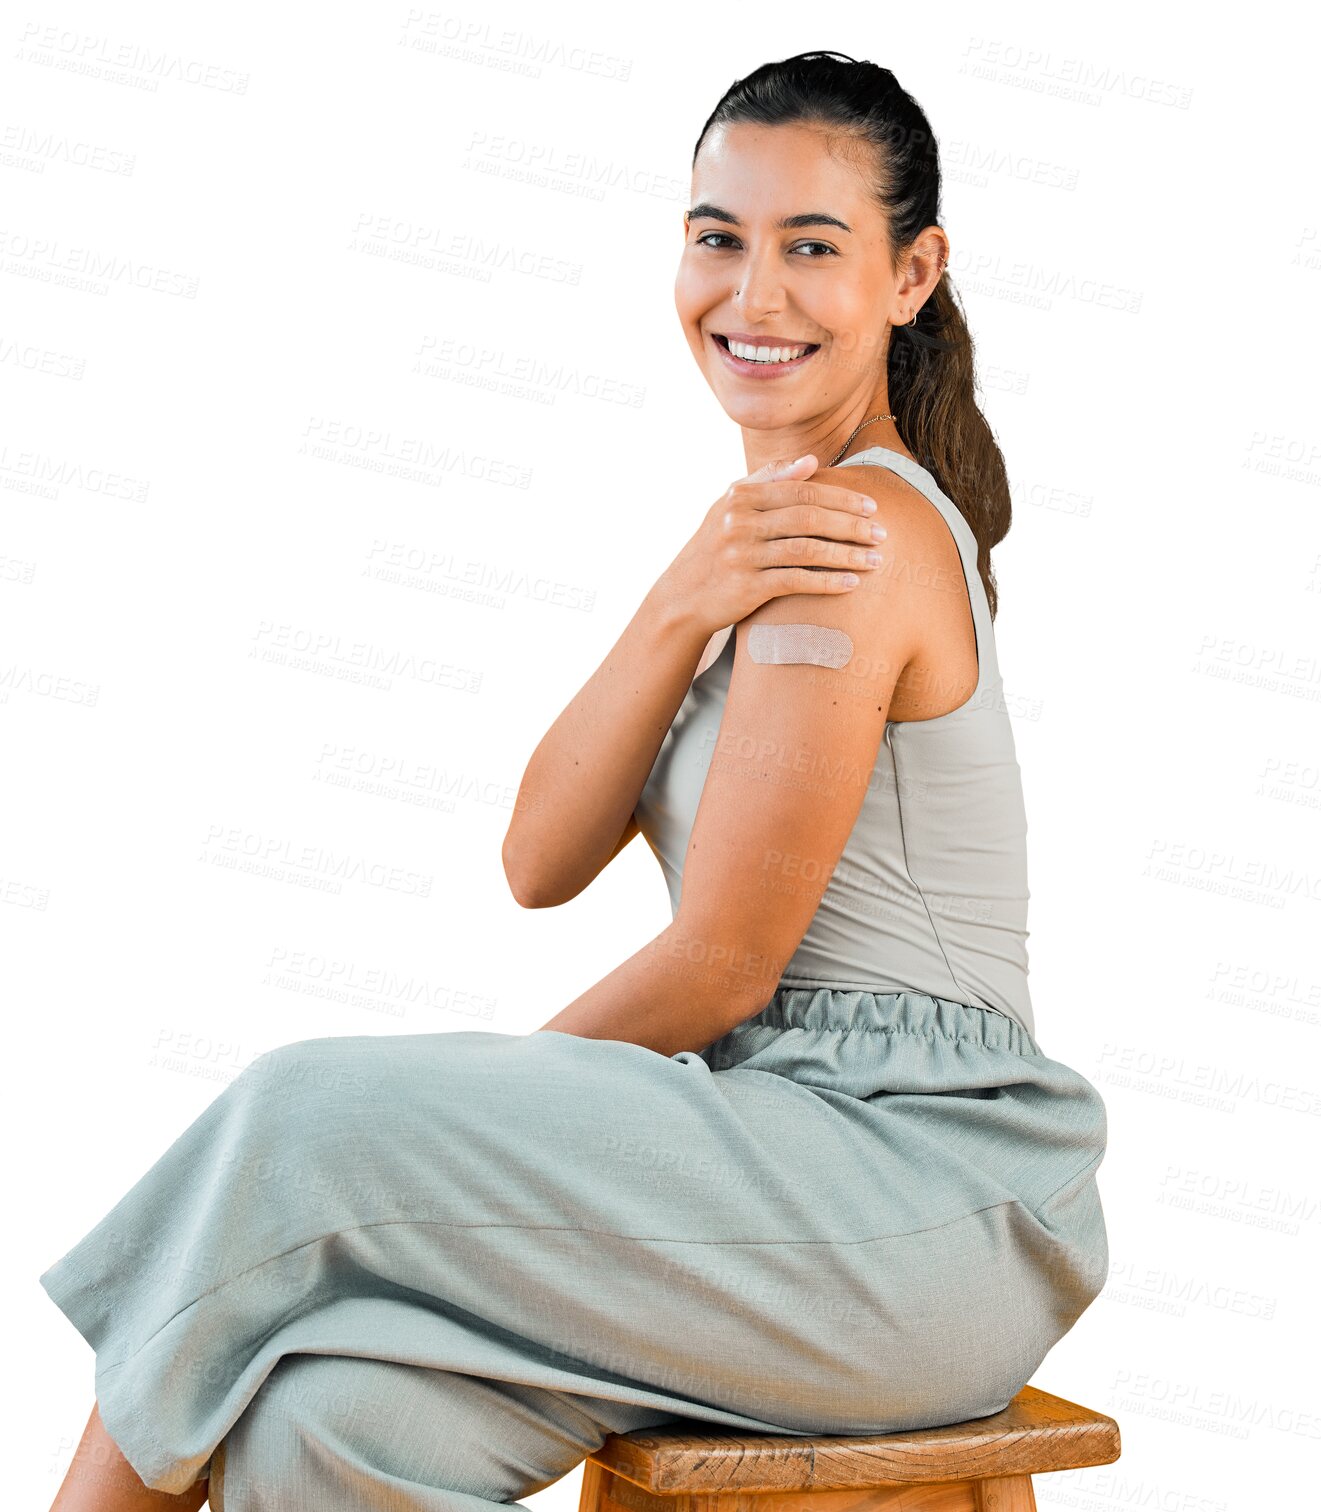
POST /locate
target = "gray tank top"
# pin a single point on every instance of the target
(930, 894)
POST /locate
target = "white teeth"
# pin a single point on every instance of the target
(765, 354)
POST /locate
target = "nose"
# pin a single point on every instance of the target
(760, 288)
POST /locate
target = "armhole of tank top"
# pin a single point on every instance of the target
(973, 587)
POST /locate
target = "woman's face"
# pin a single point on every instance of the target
(824, 282)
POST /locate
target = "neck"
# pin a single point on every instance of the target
(826, 443)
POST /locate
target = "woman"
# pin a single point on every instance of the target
(798, 1165)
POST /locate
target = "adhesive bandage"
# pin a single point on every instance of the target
(817, 645)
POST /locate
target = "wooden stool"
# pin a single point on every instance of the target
(985, 1465)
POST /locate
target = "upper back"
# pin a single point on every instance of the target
(930, 893)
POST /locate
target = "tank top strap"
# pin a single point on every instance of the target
(988, 665)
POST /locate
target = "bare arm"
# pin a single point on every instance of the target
(796, 749)
(676, 993)
(776, 532)
(575, 804)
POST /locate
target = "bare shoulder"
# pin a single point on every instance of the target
(921, 567)
(909, 618)
(911, 519)
(919, 553)
(869, 633)
(924, 589)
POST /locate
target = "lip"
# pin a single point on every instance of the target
(753, 338)
(763, 371)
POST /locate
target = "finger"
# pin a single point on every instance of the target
(780, 468)
(784, 580)
(813, 552)
(771, 493)
(832, 523)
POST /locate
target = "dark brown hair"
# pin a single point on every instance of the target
(930, 371)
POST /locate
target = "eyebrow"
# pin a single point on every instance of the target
(705, 211)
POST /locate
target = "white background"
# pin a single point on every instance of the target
(335, 288)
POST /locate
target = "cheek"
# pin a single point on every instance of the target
(834, 311)
(696, 290)
(856, 336)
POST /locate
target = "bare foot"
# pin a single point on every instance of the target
(100, 1479)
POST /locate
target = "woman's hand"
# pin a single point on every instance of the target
(771, 533)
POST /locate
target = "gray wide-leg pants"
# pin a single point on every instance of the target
(332, 1431)
(436, 1270)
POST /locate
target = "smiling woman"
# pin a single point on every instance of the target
(798, 1165)
(760, 300)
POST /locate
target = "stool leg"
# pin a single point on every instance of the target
(1005, 1493)
(603, 1491)
(589, 1499)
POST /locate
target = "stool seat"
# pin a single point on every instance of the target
(986, 1463)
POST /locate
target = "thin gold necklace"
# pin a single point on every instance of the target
(849, 442)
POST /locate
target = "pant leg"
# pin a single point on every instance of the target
(335, 1433)
(782, 1237)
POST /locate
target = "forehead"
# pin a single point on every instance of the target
(761, 172)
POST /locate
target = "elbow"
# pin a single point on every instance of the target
(524, 898)
(528, 889)
(521, 885)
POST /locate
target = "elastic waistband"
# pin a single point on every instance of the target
(864, 1044)
(848, 1010)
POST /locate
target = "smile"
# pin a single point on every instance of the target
(764, 361)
